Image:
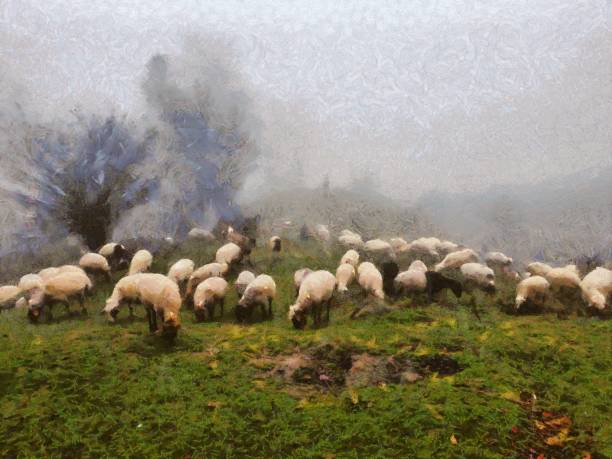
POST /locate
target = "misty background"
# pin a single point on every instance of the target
(484, 122)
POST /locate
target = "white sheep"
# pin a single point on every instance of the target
(596, 288)
(417, 265)
(399, 245)
(94, 263)
(350, 240)
(456, 259)
(274, 244)
(298, 278)
(564, 277)
(262, 292)
(125, 291)
(229, 254)
(425, 246)
(446, 247)
(30, 282)
(242, 281)
(200, 234)
(70, 269)
(534, 288)
(371, 280)
(478, 276)
(322, 233)
(538, 269)
(162, 301)
(9, 296)
(410, 281)
(48, 273)
(141, 262)
(60, 288)
(180, 272)
(497, 259)
(378, 247)
(115, 253)
(210, 293)
(316, 290)
(351, 256)
(204, 272)
(345, 274)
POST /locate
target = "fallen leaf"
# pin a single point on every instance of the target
(213, 364)
(510, 395)
(259, 383)
(546, 414)
(383, 387)
(558, 439)
(539, 425)
(515, 429)
(586, 455)
(562, 421)
(213, 404)
(303, 403)
(484, 336)
(453, 439)
(541, 456)
(354, 396)
(434, 412)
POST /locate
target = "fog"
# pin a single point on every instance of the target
(418, 98)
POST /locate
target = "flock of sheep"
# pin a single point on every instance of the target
(205, 288)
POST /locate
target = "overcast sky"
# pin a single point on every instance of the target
(447, 94)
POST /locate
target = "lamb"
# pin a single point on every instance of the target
(260, 292)
(203, 273)
(562, 278)
(94, 263)
(242, 281)
(370, 279)
(115, 253)
(201, 234)
(437, 282)
(30, 282)
(180, 272)
(229, 254)
(275, 244)
(538, 269)
(350, 240)
(345, 274)
(162, 301)
(534, 289)
(141, 262)
(351, 256)
(479, 276)
(378, 247)
(210, 293)
(497, 259)
(9, 296)
(316, 290)
(60, 288)
(456, 259)
(125, 290)
(596, 288)
(322, 233)
(298, 278)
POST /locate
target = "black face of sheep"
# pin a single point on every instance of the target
(437, 282)
(490, 289)
(34, 314)
(299, 321)
(390, 270)
(201, 313)
(276, 247)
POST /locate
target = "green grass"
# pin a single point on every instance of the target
(78, 387)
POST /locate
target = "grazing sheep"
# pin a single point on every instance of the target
(350, 240)
(596, 288)
(229, 254)
(125, 291)
(94, 263)
(201, 234)
(322, 233)
(70, 269)
(141, 262)
(390, 270)
(203, 273)
(242, 281)
(538, 269)
(425, 246)
(534, 289)
(574, 269)
(260, 292)
(210, 293)
(497, 259)
(9, 296)
(345, 274)
(378, 247)
(437, 282)
(446, 247)
(351, 256)
(162, 301)
(298, 278)
(417, 265)
(478, 276)
(275, 244)
(245, 243)
(30, 282)
(456, 259)
(399, 245)
(370, 279)
(562, 278)
(411, 281)
(48, 273)
(180, 272)
(115, 253)
(60, 288)
(316, 290)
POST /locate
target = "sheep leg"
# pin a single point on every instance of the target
(328, 308)
(221, 305)
(82, 303)
(131, 308)
(48, 306)
(270, 308)
(262, 310)
(67, 306)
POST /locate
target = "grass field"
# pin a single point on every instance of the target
(420, 381)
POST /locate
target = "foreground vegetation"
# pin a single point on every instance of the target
(419, 381)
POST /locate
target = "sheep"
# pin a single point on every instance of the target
(322, 233)
(201, 234)
(94, 263)
(378, 247)
(48, 273)
(275, 244)
(562, 278)
(208, 294)
(259, 292)
(410, 281)
(345, 274)
(9, 296)
(30, 282)
(350, 240)
(180, 272)
(538, 269)
(446, 247)
(125, 290)
(456, 259)
(437, 282)
(141, 262)
(417, 265)
(371, 280)
(242, 281)
(479, 276)
(596, 287)
(351, 257)
(534, 289)
(115, 253)
(390, 270)
(71, 269)
(425, 246)
(497, 259)
(316, 290)
(245, 243)
(60, 288)
(229, 254)
(203, 273)
(399, 245)
(162, 301)
(298, 278)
